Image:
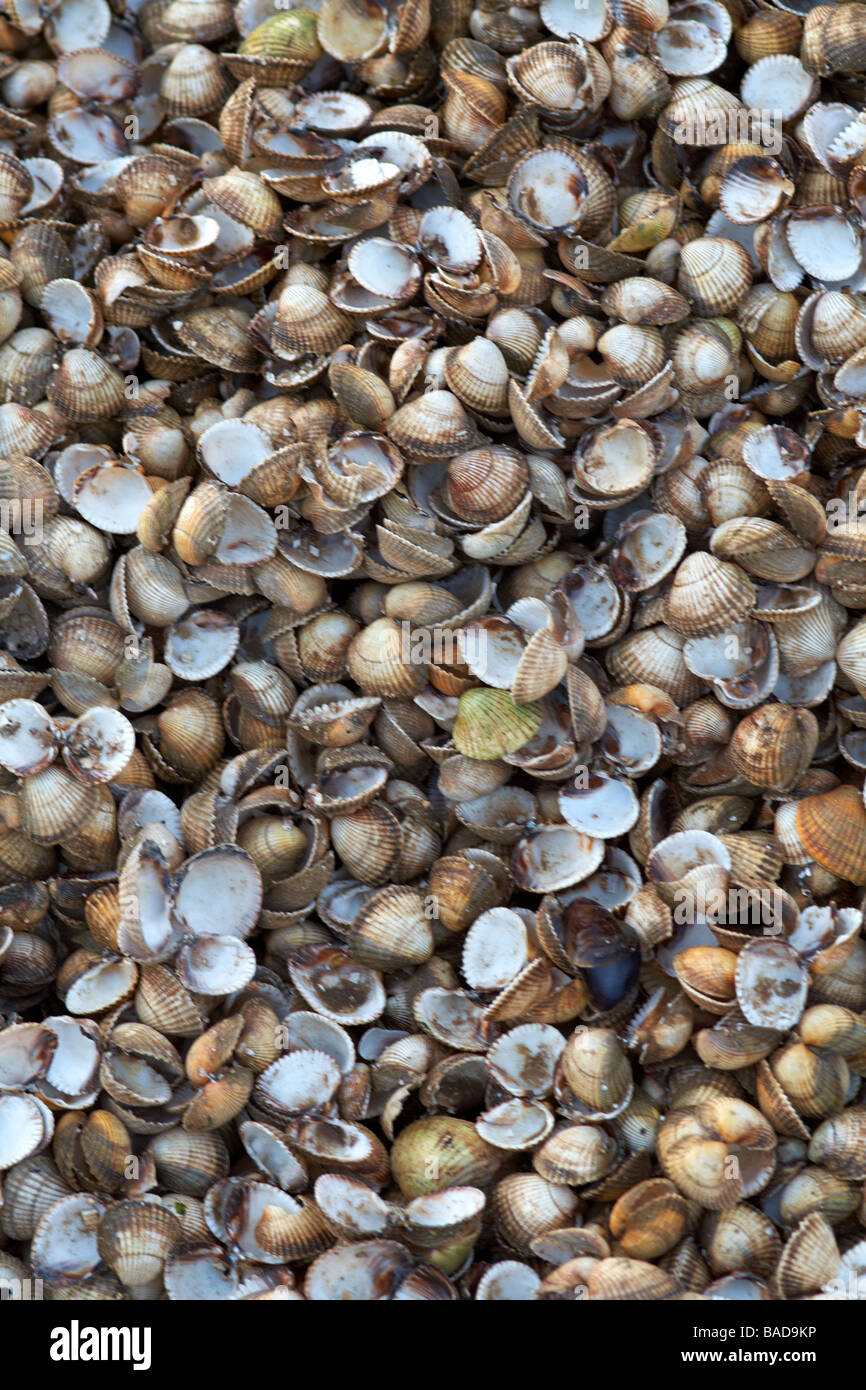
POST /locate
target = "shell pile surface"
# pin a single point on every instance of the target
(433, 649)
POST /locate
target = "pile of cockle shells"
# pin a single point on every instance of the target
(432, 443)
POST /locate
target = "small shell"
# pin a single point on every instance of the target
(604, 807)
(693, 1145)
(771, 985)
(596, 1076)
(336, 986)
(809, 1260)
(377, 660)
(524, 1061)
(434, 426)
(525, 1206)
(86, 386)
(440, 1152)
(65, 1249)
(29, 738)
(555, 857)
(576, 1155)
(385, 268)
(99, 744)
(201, 645)
(714, 274)
(548, 189)
(754, 187)
(832, 827)
(391, 930)
(515, 1124)
(25, 1127)
(774, 744)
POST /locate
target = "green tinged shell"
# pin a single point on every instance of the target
(489, 724)
(291, 34)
